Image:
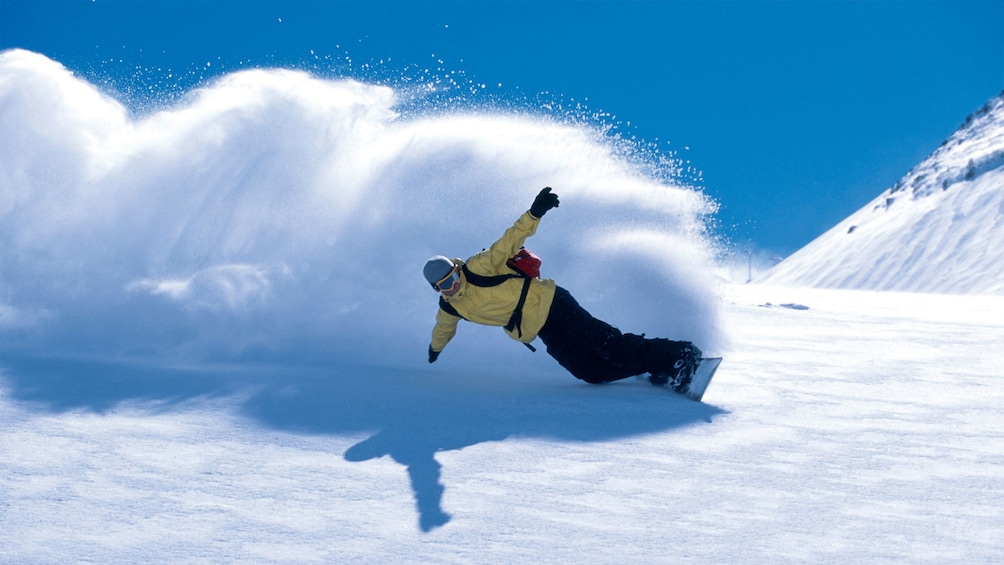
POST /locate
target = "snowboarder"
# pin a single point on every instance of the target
(486, 291)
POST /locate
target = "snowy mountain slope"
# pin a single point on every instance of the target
(939, 229)
(278, 218)
(276, 224)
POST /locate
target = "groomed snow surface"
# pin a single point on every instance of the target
(865, 429)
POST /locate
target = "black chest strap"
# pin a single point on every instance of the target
(516, 320)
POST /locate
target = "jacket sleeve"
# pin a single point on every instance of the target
(446, 328)
(492, 261)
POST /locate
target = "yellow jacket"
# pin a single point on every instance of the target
(493, 306)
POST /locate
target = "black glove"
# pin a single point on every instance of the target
(433, 355)
(544, 202)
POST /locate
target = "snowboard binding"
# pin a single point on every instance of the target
(673, 363)
(690, 379)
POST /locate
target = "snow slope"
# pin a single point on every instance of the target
(212, 349)
(939, 229)
(863, 429)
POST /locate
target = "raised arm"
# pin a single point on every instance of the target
(492, 261)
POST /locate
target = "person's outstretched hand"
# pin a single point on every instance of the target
(544, 202)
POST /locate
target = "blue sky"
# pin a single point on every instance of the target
(797, 113)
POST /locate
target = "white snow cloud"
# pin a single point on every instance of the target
(221, 287)
(275, 207)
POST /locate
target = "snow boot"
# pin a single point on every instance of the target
(677, 371)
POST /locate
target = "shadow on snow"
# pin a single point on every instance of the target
(413, 414)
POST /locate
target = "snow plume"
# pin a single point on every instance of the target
(939, 229)
(274, 215)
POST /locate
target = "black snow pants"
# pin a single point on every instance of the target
(597, 352)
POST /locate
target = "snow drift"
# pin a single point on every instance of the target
(939, 229)
(276, 216)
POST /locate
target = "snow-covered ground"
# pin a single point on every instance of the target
(212, 349)
(865, 428)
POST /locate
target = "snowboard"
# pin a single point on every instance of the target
(701, 377)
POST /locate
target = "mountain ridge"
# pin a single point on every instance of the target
(935, 230)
